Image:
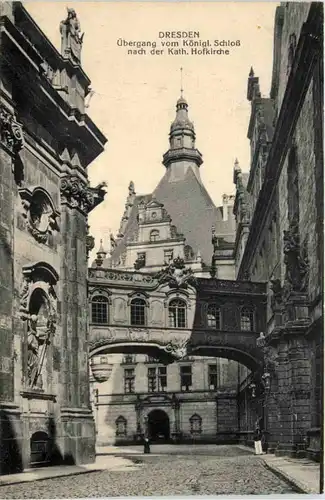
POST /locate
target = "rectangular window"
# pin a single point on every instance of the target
(162, 378)
(151, 359)
(157, 379)
(152, 385)
(168, 255)
(186, 377)
(128, 359)
(213, 377)
(141, 257)
(129, 379)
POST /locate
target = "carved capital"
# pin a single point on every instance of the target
(11, 133)
(77, 194)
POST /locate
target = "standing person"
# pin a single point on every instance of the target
(146, 444)
(257, 440)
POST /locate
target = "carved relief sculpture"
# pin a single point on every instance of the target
(11, 134)
(176, 275)
(176, 351)
(71, 38)
(296, 260)
(39, 212)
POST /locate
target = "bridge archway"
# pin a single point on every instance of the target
(251, 356)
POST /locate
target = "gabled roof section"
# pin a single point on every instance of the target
(131, 228)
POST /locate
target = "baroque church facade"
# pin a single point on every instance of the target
(47, 141)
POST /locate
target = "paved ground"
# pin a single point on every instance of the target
(192, 471)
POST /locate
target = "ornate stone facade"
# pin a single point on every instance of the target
(45, 200)
(283, 244)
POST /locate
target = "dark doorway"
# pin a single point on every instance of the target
(158, 423)
(39, 449)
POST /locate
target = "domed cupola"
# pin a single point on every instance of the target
(182, 120)
(182, 138)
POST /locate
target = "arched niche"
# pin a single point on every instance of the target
(38, 307)
(39, 212)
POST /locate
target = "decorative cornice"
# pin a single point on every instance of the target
(178, 154)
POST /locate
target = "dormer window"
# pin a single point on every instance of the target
(154, 235)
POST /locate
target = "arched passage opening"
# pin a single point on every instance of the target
(39, 449)
(158, 426)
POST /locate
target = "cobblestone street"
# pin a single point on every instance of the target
(221, 470)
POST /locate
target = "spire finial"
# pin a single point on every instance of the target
(182, 90)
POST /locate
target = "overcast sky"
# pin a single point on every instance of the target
(135, 95)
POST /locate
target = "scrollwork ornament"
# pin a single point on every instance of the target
(176, 275)
(11, 133)
(175, 350)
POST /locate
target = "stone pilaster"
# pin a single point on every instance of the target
(10, 428)
(78, 429)
(176, 427)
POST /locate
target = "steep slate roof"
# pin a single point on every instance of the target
(194, 213)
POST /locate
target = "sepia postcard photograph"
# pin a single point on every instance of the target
(161, 248)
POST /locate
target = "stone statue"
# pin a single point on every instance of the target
(71, 37)
(295, 259)
(35, 339)
(41, 327)
(131, 189)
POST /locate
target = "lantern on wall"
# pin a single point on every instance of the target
(252, 387)
(266, 379)
(101, 368)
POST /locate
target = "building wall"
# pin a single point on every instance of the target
(44, 387)
(286, 250)
(219, 416)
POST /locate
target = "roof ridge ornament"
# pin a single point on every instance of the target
(71, 39)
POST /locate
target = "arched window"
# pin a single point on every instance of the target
(177, 313)
(213, 316)
(121, 426)
(99, 309)
(247, 319)
(138, 312)
(196, 424)
(154, 235)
